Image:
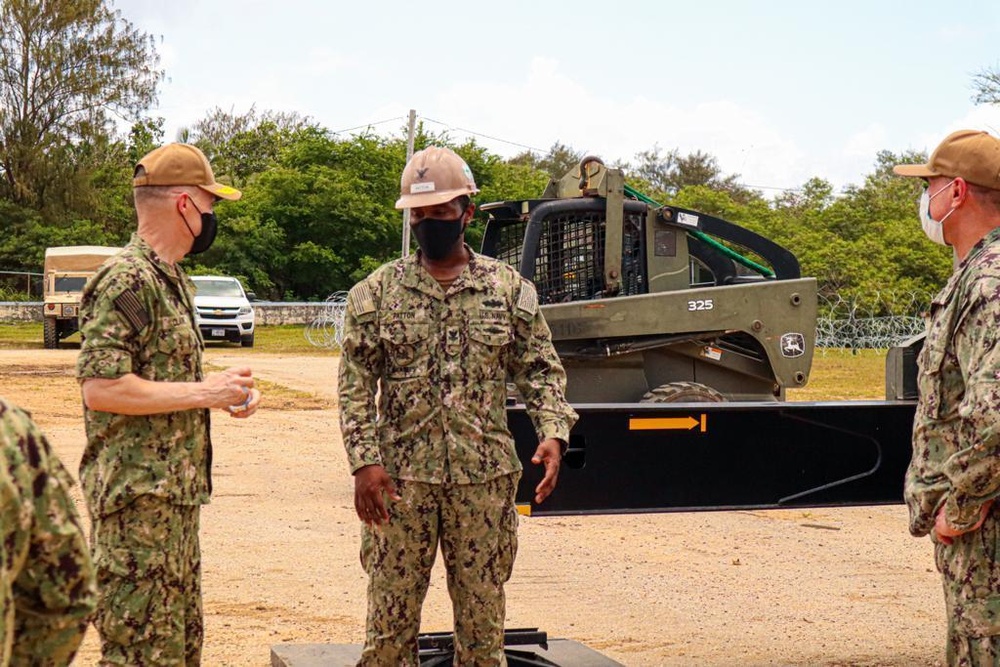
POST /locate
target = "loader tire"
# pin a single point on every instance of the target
(683, 392)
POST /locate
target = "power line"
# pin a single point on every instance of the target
(485, 136)
(769, 187)
(358, 127)
(541, 151)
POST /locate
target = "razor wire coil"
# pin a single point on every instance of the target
(878, 320)
(327, 329)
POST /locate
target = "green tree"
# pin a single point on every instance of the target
(317, 220)
(510, 181)
(987, 86)
(242, 145)
(559, 161)
(66, 66)
(657, 169)
(666, 173)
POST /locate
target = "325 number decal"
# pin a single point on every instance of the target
(700, 304)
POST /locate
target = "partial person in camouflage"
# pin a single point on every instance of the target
(47, 586)
(146, 469)
(954, 474)
(428, 343)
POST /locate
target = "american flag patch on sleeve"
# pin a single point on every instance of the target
(527, 300)
(128, 304)
(361, 295)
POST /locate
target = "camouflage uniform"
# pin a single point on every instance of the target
(956, 450)
(146, 476)
(46, 577)
(439, 359)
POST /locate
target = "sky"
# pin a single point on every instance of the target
(778, 91)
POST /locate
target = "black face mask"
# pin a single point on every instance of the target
(209, 228)
(437, 238)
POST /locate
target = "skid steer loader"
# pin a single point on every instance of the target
(645, 304)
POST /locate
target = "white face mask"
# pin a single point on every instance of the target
(934, 229)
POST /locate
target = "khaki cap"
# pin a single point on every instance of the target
(434, 176)
(181, 164)
(971, 155)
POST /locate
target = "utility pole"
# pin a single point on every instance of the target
(406, 211)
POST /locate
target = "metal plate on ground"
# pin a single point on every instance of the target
(559, 652)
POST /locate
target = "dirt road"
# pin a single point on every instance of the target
(280, 543)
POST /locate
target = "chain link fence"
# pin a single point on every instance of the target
(21, 285)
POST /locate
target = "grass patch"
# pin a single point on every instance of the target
(282, 339)
(837, 375)
(844, 375)
(24, 336)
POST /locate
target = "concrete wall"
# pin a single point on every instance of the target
(268, 312)
(20, 311)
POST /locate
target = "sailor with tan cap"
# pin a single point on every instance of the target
(954, 474)
(146, 469)
(429, 341)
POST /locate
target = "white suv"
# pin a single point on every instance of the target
(223, 310)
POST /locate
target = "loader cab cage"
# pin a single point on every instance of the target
(560, 246)
(568, 250)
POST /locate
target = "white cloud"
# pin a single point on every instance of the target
(549, 105)
(323, 60)
(866, 143)
(983, 117)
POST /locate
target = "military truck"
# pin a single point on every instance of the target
(680, 333)
(67, 269)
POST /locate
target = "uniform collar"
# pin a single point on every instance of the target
(976, 250)
(414, 276)
(958, 275)
(171, 271)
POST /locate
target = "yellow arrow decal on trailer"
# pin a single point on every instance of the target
(666, 423)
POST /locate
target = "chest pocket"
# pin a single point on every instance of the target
(176, 351)
(406, 348)
(940, 383)
(488, 343)
(929, 382)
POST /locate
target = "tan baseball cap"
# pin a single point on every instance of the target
(181, 164)
(967, 154)
(434, 176)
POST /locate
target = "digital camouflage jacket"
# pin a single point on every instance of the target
(47, 586)
(137, 316)
(438, 361)
(956, 429)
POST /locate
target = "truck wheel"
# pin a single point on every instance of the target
(247, 341)
(683, 392)
(50, 336)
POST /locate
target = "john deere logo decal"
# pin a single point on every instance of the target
(793, 345)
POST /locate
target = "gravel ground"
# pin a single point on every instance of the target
(280, 547)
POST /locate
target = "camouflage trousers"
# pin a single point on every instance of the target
(476, 526)
(149, 581)
(970, 569)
